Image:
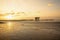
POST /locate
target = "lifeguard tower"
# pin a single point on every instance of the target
(37, 18)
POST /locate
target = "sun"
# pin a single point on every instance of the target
(9, 17)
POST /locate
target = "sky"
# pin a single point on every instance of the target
(41, 8)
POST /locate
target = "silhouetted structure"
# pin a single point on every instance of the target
(37, 18)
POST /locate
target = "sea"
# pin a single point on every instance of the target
(29, 30)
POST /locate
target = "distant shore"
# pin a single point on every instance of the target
(27, 21)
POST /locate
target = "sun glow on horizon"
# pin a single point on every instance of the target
(9, 17)
(19, 9)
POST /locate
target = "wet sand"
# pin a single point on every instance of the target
(30, 31)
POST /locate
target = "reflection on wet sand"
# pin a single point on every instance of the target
(29, 31)
(10, 26)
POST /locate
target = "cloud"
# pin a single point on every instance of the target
(50, 4)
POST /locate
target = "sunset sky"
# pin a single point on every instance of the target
(41, 8)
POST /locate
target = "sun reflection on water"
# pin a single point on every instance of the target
(9, 26)
(12, 27)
